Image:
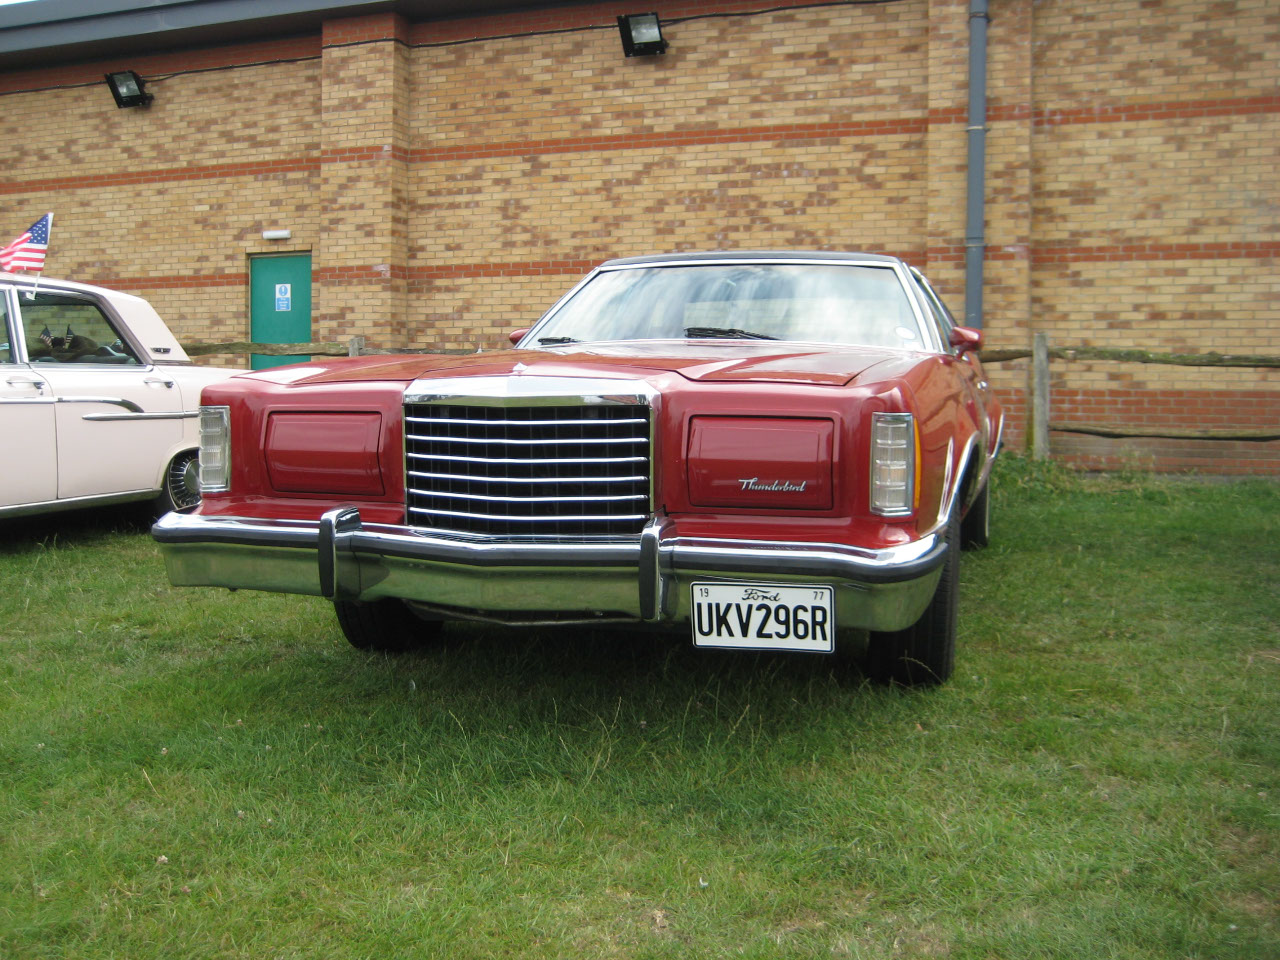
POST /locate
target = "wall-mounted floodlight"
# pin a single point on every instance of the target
(641, 34)
(276, 234)
(128, 89)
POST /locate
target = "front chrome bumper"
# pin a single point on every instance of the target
(537, 581)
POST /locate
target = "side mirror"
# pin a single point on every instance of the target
(966, 339)
(515, 336)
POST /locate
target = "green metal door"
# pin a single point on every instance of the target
(279, 304)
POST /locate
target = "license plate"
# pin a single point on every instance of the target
(763, 616)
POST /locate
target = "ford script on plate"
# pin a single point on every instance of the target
(763, 616)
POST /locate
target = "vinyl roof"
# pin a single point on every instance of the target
(754, 256)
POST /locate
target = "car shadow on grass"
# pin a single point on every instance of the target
(71, 528)
(601, 662)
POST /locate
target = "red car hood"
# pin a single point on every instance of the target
(735, 361)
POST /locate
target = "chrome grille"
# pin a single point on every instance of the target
(560, 470)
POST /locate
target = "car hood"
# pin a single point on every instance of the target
(720, 361)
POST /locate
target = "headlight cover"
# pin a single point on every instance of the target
(215, 449)
(893, 464)
(770, 463)
(325, 453)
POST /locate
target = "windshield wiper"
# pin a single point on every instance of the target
(728, 333)
(553, 341)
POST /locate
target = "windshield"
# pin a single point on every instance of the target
(822, 303)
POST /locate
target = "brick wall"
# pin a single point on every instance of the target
(798, 128)
(452, 178)
(1157, 218)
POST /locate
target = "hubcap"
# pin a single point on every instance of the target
(184, 482)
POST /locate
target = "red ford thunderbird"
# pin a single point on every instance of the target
(770, 451)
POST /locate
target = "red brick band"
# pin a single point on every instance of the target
(1225, 250)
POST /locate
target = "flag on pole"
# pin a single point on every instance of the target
(27, 251)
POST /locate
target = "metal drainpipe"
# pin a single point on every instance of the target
(975, 211)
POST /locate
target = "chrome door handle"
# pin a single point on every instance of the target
(24, 382)
(158, 381)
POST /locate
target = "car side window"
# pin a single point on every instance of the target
(64, 328)
(935, 309)
(6, 351)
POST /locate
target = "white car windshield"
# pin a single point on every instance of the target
(820, 303)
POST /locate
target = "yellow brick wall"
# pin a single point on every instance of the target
(1152, 158)
(169, 202)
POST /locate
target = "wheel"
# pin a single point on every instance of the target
(385, 626)
(924, 653)
(975, 528)
(181, 490)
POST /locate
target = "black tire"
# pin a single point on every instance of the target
(975, 528)
(181, 490)
(924, 654)
(384, 626)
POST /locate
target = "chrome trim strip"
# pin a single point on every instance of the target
(835, 560)
(75, 503)
(880, 261)
(112, 401)
(411, 542)
(611, 498)
(954, 478)
(135, 412)
(447, 550)
(522, 423)
(480, 478)
(110, 417)
(558, 518)
(531, 391)
(507, 441)
(441, 456)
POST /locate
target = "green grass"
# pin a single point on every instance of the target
(192, 773)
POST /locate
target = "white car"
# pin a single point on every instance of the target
(99, 403)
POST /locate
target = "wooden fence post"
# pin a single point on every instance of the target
(1040, 397)
(355, 346)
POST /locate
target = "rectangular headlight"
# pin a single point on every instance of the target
(215, 449)
(893, 466)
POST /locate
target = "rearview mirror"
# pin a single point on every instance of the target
(515, 336)
(966, 339)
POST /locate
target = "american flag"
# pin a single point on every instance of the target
(27, 252)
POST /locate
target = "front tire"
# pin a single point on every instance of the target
(384, 626)
(975, 529)
(923, 654)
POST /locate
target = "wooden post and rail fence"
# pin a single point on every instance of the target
(1040, 354)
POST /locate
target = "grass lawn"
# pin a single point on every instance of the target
(195, 773)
